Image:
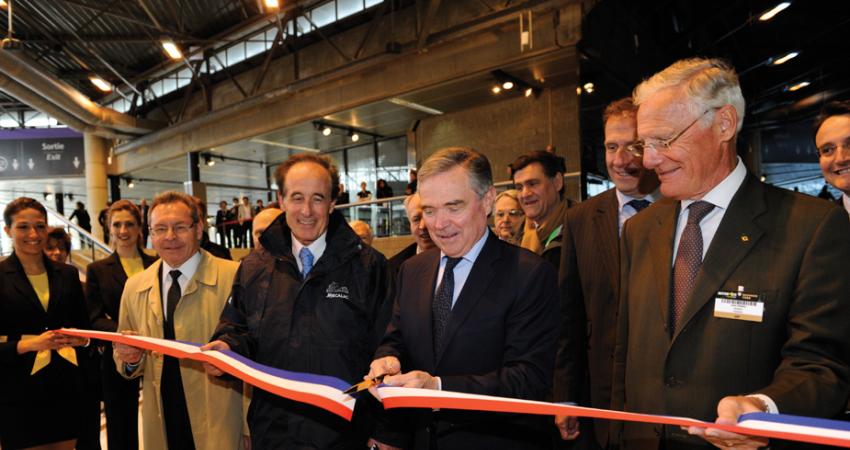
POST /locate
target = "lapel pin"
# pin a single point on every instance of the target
(745, 238)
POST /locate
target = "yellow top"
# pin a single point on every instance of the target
(132, 266)
(42, 288)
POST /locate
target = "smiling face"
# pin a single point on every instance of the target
(124, 229)
(28, 232)
(307, 201)
(626, 170)
(538, 194)
(417, 225)
(700, 158)
(508, 217)
(55, 250)
(181, 237)
(454, 214)
(835, 132)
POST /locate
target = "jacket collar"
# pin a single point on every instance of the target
(12, 266)
(341, 241)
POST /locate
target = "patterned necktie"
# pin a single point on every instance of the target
(442, 305)
(306, 258)
(639, 205)
(173, 296)
(688, 261)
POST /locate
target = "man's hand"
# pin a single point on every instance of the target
(214, 345)
(388, 365)
(728, 411)
(567, 426)
(413, 379)
(380, 445)
(127, 353)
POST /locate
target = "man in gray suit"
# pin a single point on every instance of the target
(729, 303)
(590, 275)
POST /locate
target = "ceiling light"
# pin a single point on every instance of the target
(355, 137)
(100, 83)
(130, 183)
(784, 58)
(496, 89)
(528, 92)
(208, 159)
(326, 131)
(3, 4)
(769, 14)
(508, 85)
(272, 4)
(416, 106)
(588, 87)
(798, 86)
(578, 90)
(172, 49)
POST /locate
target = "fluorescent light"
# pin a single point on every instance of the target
(355, 137)
(283, 145)
(798, 86)
(172, 49)
(774, 11)
(508, 85)
(416, 106)
(100, 83)
(785, 58)
(496, 89)
(272, 4)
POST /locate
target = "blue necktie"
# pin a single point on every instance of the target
(306, 258)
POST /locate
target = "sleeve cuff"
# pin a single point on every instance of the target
(768, 402)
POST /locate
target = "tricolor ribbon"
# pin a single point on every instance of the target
(326, 392)
(42, 358)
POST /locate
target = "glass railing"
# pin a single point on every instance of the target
(85, 248)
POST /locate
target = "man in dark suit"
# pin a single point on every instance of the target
(475, 315)
(751, 316)
(832, 138)
(590, 274)
(421, 240)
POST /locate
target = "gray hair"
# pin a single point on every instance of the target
(476, 164)
(708, 84)
(512, 194)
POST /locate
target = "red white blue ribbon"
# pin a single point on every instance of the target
(326, 392)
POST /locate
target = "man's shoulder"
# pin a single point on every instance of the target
(403, 255)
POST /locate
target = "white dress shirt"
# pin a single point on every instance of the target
(626, 211)
(187, 271)
(846, 200)
(317, 248)
(462, 269)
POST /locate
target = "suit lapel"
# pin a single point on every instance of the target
(155, 295)
(55, 287)
(423, 306)
(661, 242)
(735, 238)
(22, 283)
(473, 289)
(606, 226)
(118, 273)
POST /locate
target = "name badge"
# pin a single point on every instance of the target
(738, 305)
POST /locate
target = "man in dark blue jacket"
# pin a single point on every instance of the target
(315, 300)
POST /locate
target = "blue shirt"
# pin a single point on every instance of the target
(462, 269)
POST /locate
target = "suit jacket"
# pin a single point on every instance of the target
(105, 281)
(787, 248)
(500, 340)
(589, 279)
(215, 405)
(399, 258)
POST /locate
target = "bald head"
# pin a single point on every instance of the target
(261, 222)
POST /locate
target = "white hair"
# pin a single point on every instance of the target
(708, 84)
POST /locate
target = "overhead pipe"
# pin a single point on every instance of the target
(20, 68)
(25, 95)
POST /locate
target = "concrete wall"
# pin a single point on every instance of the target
(507, 128)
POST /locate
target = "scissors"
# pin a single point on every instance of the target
(365, 384)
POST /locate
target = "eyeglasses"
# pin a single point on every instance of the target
(661, 145)
(828, 150)
(513, 213)
(180, 229)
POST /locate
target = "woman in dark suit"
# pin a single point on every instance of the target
(104, 284)
(40, 382)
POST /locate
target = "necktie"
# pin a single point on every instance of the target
(688, 261)
(639, 205)
(442, 305)
(173, 297)
(306, 258)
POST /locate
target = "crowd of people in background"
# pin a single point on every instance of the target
(624, 301)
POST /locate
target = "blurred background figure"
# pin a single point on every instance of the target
(83, 218)
(222, 216)
(261, 222)
(364, 195)
(421, 239)
(411, 187)
(363, 230)
(58, 246)
(206, 243)
(343, 198)
(508, 218)
(383, 189)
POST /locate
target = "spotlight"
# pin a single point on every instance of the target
(496, 89)
(797, 86)
(784, 58)
(208, 159)
(507, 85)
(355, 137)
(48, 197)
(588, 87)
(272, 4)
(578, 90)
(326, 131)
(3, 4)
(769, 14)
(528, 92)
(130, 183)
(100, 83)
(172, 49)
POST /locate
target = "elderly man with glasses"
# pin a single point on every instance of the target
(181, 297)
(727, 303)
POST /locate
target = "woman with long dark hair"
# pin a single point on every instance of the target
(40, 380)
(104, 284)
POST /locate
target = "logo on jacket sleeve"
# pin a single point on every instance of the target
(337, 291)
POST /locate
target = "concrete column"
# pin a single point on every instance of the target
(96, 149)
